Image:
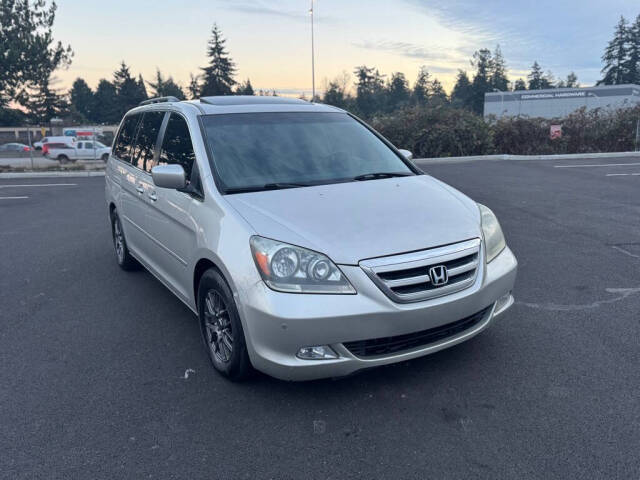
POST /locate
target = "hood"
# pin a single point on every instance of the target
(356, 220)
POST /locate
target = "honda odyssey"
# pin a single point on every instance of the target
(306, 243)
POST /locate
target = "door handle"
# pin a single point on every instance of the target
(153, 196)
(140, 189)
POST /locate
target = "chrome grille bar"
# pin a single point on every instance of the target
(405, 278)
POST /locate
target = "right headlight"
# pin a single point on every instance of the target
(493, 237)
(292, 269)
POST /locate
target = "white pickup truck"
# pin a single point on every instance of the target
(88, 150)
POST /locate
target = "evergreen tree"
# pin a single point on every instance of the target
(616, 56)
(245, 88)
(570, 82)
(438, 95)
(194, 86)
(482, 79)
(632, 64)
(217, 77)
(82, 100)
(499, 80)
(539, 80)
(397, 91)
(142, 90)
(462, 93)
(106, 100)
(334, 95)
(165, 87)
(43, 102)
(28, 52)
(421, 89)
(519, 84)
(129, 90)
(369, 90)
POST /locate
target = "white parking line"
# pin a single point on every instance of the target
(12, 198)
(621, 174)
(600, 165)
(41, 185)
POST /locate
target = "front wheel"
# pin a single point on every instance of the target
(124, 258)
(221, 327)
(105, 157)
(63, 159)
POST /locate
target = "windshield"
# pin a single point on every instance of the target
(255, 151)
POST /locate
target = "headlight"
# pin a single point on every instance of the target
(493, 236)
(287, 268)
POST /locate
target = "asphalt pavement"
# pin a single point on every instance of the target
(104, 375)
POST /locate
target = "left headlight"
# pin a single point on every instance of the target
(493, 236)
(287, 268)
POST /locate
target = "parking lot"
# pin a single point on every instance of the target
(104, 375)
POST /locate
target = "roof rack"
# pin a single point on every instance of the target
(159, 100)
(233, 100)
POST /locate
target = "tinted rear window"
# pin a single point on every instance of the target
(126, 136)
(142, 156)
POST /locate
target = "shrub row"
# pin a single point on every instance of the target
(443, 131)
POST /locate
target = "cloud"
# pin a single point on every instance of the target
(262, 8)
(411, 50)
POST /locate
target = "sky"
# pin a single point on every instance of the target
(270, 41)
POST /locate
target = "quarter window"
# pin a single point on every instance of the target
(142, 153)
(126, 136)
(176, 145)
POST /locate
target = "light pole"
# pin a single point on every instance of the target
(313, 65)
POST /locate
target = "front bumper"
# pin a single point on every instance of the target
(277, 324)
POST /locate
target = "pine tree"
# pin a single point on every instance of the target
(142, 90)
(397, 91)
(616, 56)
(106, 100)
(165, 87)
(28, 52)
(519, 84)
(632, 65)
(369, 90)
(438, 95)
(245, 88)
(43, 102)
(499, 80)
(194, 86)
(217, 77)
(482, 79)
(82, 100)
(130, 92)
(421, 89)
(536, 77)
(462, 93)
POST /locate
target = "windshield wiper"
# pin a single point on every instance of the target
(266, 186)
(377, 175)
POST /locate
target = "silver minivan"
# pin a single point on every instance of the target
(307, 245)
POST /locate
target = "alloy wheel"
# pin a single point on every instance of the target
(218, 327)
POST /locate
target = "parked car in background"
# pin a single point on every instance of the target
(14, 147)
(307, 244)
(58, 139)
(78, 151)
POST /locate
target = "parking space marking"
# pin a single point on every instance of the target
(598, 165)
(13, 198)
(41, 185)
(621, 174)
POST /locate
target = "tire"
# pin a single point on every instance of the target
(105, 157)
(124, 258)
(221, 327)
(63, 159)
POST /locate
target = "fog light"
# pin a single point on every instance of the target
(318, 352)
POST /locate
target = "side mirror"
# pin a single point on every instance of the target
(407, 154)
(169, 176)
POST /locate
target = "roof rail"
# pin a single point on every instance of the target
(159, 100)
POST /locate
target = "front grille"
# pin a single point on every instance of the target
(405, 278)
(388, 345)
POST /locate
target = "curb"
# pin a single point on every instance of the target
(76, 174)
(497, 158)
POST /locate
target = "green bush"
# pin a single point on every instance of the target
(443, 131)
(439, 131)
